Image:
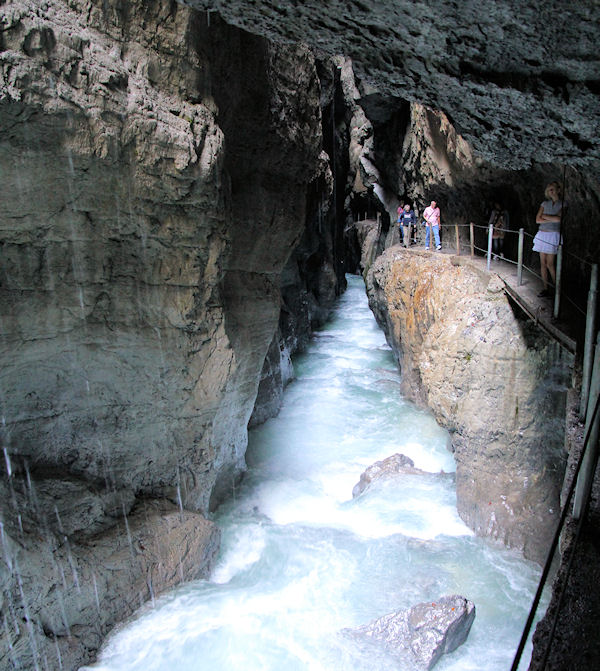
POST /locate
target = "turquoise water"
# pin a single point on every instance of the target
(301, 559)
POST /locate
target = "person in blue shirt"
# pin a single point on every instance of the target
(406, 223)
(399, 220)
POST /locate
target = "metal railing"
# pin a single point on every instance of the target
(591, 309)
(579, 492)
(487, 252)
(590, 447)
(581, 484)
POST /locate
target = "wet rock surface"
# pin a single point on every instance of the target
(386, 468)
(75, 584)
(424, 632)
(566, 637)
(168, 230)
(156, 165)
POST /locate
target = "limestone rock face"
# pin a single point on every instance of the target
(425, 631)
(421, 157)
(155, 170)
(437, 163)
(518, 80)
(491, 379)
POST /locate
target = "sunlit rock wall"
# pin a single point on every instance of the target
(155, 165)
(489, 376)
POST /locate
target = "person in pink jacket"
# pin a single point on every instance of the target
(432, 218)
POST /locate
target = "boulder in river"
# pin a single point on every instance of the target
(389, 467)
(426, 631)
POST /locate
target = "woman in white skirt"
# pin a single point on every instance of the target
(548, 236)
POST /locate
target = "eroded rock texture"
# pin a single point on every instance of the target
(156, 169)
(170, 229)
(420, 156)
(495, 382)
(388, 468)
(518, 80)
(420, 635)
(467, 104)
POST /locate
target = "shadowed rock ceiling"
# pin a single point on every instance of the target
(519, 80)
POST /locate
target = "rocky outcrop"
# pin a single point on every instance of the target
(420, 156)
(384, 469)
(496, 383)
(425, 632)
(314, 274)
(76, 581)
(157, 165)
(437, 163)
(159, 170)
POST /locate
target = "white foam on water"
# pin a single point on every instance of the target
(301, 558)
(244, 550)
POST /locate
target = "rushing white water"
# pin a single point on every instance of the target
(301, 559)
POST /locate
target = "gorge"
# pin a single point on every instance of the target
(180, 184)
(307, 561)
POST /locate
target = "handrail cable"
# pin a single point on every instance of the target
(563, 588)
(532, 272)
(467, 247)
(513, 232)
(553, 546)
(573, 303)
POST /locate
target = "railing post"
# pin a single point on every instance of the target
(457, 240)
(557, 287)
(489, 249)
(588, 347)
(520, 257)
(472, 237)
(588, 464)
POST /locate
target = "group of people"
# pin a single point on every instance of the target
(407, 221)
(546, 241)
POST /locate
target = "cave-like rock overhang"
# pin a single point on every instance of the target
(519, 80)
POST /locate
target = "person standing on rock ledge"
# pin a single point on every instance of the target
(432, 218)
(400, 213)
(547, 239)
(406, 222)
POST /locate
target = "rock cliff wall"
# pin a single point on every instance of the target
(437, 163)
(157, 170)
(169, 220)
(497, 383)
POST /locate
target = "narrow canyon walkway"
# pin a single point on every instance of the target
(564, 330)
(540, 310)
